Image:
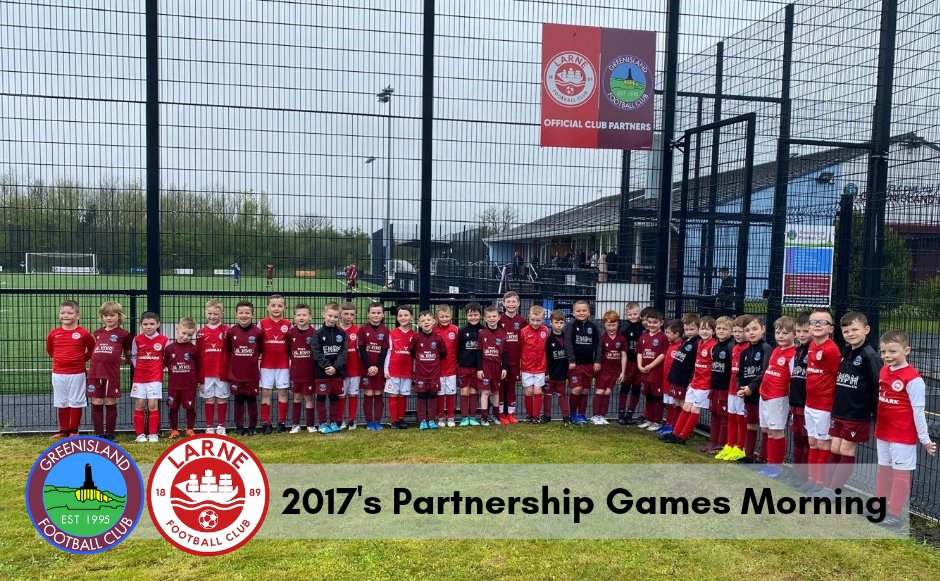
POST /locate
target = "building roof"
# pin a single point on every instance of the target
(603, 214)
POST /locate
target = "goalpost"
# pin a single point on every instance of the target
(61, 263)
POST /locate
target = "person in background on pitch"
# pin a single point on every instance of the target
(467, 347)
(352, 277)
(512, 323)
(399, 368)
(70, 346)
(275, 373)
(900, 425)
(181, 360)
(428, 350)
(269, 274)
(242, 349)
(236, 273)
(631, 328)
(330, 352)
(112, 345)
(350, 397)
(446, 403)
(147, 388)
(299, 343)
(213, 367)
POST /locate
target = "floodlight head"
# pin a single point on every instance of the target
(825, 177)
(370, 159)
(385, 95)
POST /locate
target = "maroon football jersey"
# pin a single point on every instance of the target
(374, 340)
(243, 348)
(513, 326)
(492, 346)
(612, 349)
(428, 352)
(111, 347)
(182, 363)
(300, 353)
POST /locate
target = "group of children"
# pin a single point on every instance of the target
(827, 397)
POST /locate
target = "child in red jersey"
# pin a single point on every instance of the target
(448, 394)
(112, 346)
(673, 333)
(557, 363)
(737, 420)
(330, 351)
(373, 351)
(467, 345)
(822, 367)
(533, 363)
(583, 343)
(275, 372)
(492, 362)
(70, 346)
(900, 425)
(511, 322)
(347, 322)
(774, 390)
(721, 379)
(243, 347)
(213, 387)
(428, 350)
(613, 366)
(696, 398)
(147, 388)
(650, 354)
(181, 359)
(300, 352)
(399, 368)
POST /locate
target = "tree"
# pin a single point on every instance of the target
(497, 219)
(896, 273)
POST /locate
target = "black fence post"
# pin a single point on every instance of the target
(708, 234)
(744, 231)
(427, 159)
(683, 225)
(844, 258)
(876, 200)
(668, 128)
(626, 233)
(779, 212)
(153, 156)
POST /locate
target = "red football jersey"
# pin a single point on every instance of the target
(400, 364)
(209, 342)
(275, 350)
(736, 352)
(352, 348)
(69, 349)
(111, 347)
(612, 350)
(428, 350)
(182, 364)
(449, 336)
(648, 348)
(513, 326)
(895, 418)
(822, 366)
(671, 351)
(147, 355)
(491, 345)
(243, 348)
(702, 377)
(534, 359)
(300, 354)
(776, 381)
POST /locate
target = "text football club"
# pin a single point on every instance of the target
(597, 87)
(84, 495)
(208, 495)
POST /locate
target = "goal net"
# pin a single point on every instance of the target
(61, 263)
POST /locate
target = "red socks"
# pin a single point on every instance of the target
(529, 403)
(538, 400)
(154, 425)
(776, 449)
(210, 414)
(352, 407)
(138, 422)
(282, 412)
(900, 491)
(265, 412)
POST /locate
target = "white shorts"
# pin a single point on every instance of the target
(398, 386)
(533, 379)
(271, 378)
(697, 397)
(817, 423)
(897, 456)
(66, 392)
(736, 405)
(351, 386)
(214, 387)
(148, 390)
(668, 399)
(448, 385)
(774, 413)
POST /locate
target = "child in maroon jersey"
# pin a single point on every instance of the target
(900, 425)
(446, 403)
(300, 352)
(274, 364)
(399, 368)
(428, 350)
(181, 359)
(492, 362)
(511, 322)
(112, 346)
(650, 354)
(613, 366)
(70, 346)
(347, 322)
(147, 388)
(243, 348)
(373, 349)
(213, 366)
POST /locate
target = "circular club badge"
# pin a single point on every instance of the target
(84, 495)
(570, 79)
(208, 495)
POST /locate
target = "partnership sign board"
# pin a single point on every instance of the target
(597, 87)
(807, 271)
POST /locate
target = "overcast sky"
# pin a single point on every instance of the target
(279, 97)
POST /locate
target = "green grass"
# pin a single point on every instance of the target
(26, 556)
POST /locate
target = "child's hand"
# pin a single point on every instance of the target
(503, 374)
(931, 448)
(480, 374)
(330, 370)
(571, 366)
(372, 371)
(742, 392)
(597, 367)
(622, 378)
(640, 368)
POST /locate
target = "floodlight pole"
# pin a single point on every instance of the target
(385, 96)
(370, 161)
(153, 155)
